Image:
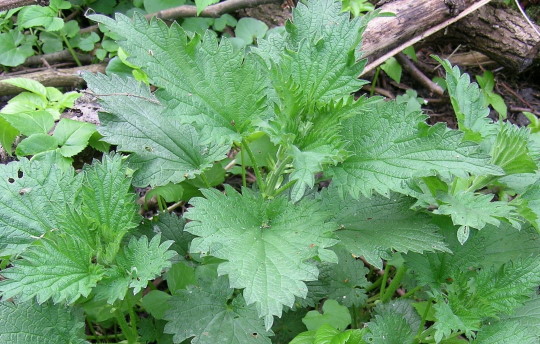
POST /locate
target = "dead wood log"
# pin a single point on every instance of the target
(501, 34)
(9, 4)
(58, 57)
(68, 77)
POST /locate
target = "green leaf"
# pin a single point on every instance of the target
(345, 281)
(27, 84)
(179, 277)
(394, 323)
(7, 135)
(488, 293)
(267, 244)
(171, 152)
(520, 327)
(334, 315)
(73, 136)
(396, 146)
(36, 122)
(231, 96)
(58, 267)
(326, 334)
(202, 4)
(171, 227)
(472, 210)
(512, 150)
(223, 21)
(35, 144)
(32, 16)
(373, 227)
(137, 263)
(315, 61)
(393, 69)
(207, 314)
(30, 323)
(109, 205)
(250, 29)
(152, 6)
(468, 103)
(14, 48)
(34, 196)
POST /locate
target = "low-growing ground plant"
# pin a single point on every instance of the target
(353, 221)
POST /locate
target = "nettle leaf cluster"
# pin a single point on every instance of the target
(450, 215)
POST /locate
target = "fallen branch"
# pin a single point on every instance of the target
(213, 11)
(387, 36)
(69, 77)
(10, 4)
(58, 57)
(409, 66)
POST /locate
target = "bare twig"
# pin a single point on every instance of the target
(409, 66)
(9, 4)
(424, 34)
(213, 11)
(123, 94)
(527, 18)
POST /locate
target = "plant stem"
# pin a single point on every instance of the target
(411, 292)
(396, 281)
(384, 279)
(284, 187)
(423, 321)
(205, 180)
(374, 82)
(71, 51)
(375, 284)
(260, 181)
(243, 157)
(354, 317)
(127, 331)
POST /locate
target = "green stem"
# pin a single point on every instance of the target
(375, 284)
(243, 157)
(384, 280)
(273, 177)
(284, 187)
(354, 317)
(71, 51)
(423, 321)
(411, 292)
(394, 285)
(127, 331)
(374, 82)
(103, 337)
(205, 180)
(260, 181)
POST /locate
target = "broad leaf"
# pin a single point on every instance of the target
(373, 227)
(15, 47)
(31, 122)
(521, 327)
(109, 204)
(345, 281)
(33, 196)
(206, 313)
(333, 314)
(137, 263)
(468, 103)
(73, 136)
(266, 244)
(394, 323)
(390, 145)
(229, 97)
(30, 323)
(164, 150)
(469, 210)
(57, 267)
(473, 297)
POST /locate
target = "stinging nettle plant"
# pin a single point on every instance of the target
(450, 215)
